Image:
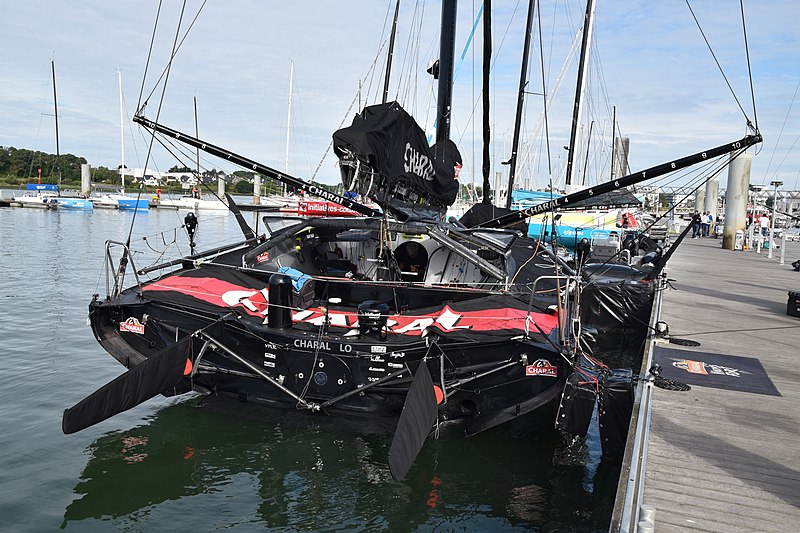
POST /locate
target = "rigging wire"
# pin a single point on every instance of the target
(733, 93)
(749, 70)
(165, 75)
(149, 54)
(777, 141)
(174, 52)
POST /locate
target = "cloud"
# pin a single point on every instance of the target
(650, 63)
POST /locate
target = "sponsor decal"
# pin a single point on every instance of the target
(377, 349)
(418, 163)
(255, 302)
(312, 344)
(132, 325)
(263, 256)
(541, 367)
(699, 367)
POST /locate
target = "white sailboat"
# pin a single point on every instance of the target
(116, 198)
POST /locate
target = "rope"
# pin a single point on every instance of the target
(718, 64)
(749, 69)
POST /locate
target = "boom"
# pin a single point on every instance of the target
(297, 183)
(625, 181)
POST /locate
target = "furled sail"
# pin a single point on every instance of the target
(384, 155)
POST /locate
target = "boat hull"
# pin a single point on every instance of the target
(133, 203)
(74, 203)
(482, 381)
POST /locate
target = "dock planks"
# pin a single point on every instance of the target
(720, 460)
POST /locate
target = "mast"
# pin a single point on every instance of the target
(288, 121)
(390, 55)
(55, 106)
(197, 134)
(520, 101)
(588, 23)
(446, 53)
(487, 62)
(121, 133)
(613, 141)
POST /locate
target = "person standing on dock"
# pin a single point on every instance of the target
(705, 224)
(695, 222)
(763, 221)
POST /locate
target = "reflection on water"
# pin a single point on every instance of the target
(286, 474)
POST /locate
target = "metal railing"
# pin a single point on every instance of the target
(630, 489)
(117, 272)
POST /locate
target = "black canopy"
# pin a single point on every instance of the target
(385, 155)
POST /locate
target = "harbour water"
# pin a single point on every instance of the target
(184, 464)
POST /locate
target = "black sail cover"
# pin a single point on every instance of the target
(384, 155)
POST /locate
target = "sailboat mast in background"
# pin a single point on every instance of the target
(512, 161)
(391, 53)
(588, 23)
(288, 121)
(121, 133)
(55, 106)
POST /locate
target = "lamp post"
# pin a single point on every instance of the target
(776, 184)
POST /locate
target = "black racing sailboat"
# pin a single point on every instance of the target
(397, 315)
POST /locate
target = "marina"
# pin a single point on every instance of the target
(434, 329)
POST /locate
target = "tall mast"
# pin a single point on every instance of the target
(55, 106)
(288, 121)
(487, 62)
(613, 141)
(446, 53)
(121, 132)
(197, 133)
(520, 101)
(391, 53)
(588, 23)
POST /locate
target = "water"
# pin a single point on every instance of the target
(183, 464)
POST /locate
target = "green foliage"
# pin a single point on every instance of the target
(244, 187)
(25, 164)
(176, 168)
(244, 174)
(105, 175)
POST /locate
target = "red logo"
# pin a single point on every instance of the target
(132, 325)
(541, 367)
(262, 257)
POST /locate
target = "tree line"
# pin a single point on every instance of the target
(20, 166)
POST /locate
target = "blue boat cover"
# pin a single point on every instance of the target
(299, 279)
(41, 187)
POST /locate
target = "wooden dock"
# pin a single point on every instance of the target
(721, 460)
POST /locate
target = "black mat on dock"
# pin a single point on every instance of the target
(730, 372)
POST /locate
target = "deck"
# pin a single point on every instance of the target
(723, 460)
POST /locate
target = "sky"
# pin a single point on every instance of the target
(650, 67)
